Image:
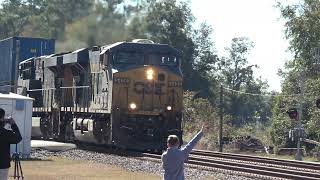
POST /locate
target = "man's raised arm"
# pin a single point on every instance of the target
(187, 149)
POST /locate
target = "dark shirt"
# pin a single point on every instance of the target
(8, 137)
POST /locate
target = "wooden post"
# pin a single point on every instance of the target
(221, 119)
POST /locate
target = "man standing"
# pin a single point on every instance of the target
(173, 159)
(9, 134)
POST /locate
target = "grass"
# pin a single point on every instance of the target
(63, 169)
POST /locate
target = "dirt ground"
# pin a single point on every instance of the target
(63, 169)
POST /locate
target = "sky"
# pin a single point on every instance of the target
(258, 20)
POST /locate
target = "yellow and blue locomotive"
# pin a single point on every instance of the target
(127, 94)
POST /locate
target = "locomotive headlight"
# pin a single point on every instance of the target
(169, 108)
(133, 106)
(150, 74)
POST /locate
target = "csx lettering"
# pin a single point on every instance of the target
(148, 88)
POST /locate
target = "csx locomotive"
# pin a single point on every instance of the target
(127, 94)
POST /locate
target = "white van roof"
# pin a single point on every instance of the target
(14, 96)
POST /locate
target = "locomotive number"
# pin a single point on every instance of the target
(148, 88)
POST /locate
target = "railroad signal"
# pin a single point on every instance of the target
(293, 113)
(318, 103)
(296, 133)
(291, 135)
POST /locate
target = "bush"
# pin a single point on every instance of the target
(198, 112)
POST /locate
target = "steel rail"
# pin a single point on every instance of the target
(292, 163)
(246, 168)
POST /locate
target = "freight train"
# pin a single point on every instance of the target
(13, 50)
(127, 94)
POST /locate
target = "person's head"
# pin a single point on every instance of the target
(173, 141)
(2, 113)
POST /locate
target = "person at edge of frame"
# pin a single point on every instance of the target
(173, 159)
(9, 134)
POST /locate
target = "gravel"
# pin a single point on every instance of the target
(134, 164)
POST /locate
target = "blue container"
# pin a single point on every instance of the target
(16, 49)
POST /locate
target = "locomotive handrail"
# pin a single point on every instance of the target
(96, 72)
(74, 87)
(40, 89)
(67, 87)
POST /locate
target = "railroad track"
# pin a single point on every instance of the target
(306, 166)
(252, 165)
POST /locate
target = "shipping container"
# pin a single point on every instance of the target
(13, 50)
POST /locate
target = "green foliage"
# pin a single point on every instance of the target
(311, 112)
(196, 113)
(13, 18)
(40, 17)
(256, 130)
(170, 22)
(302, 28)
(302, 31)
(281, 124)
(280, 130)
(237, 75)
(205, 57)
(200, 111)
(235, 68)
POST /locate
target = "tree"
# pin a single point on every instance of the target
(23, 17)
(235, 68)
(281, 123)
(205, 64)
(237, 75)
(170, 22)
(205, 54)
(109, 22)
(303, 32)
(302, 29)
(13, 17)
(58, 13)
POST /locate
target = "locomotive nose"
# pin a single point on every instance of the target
(147, 90)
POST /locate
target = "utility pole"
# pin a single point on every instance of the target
(301, 100)
(221, 119)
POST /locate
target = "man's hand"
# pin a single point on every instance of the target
(11, 121)
(204, 128)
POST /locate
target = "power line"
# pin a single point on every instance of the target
(262, 95)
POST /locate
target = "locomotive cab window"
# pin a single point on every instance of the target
(128, 58)
(163, 60)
